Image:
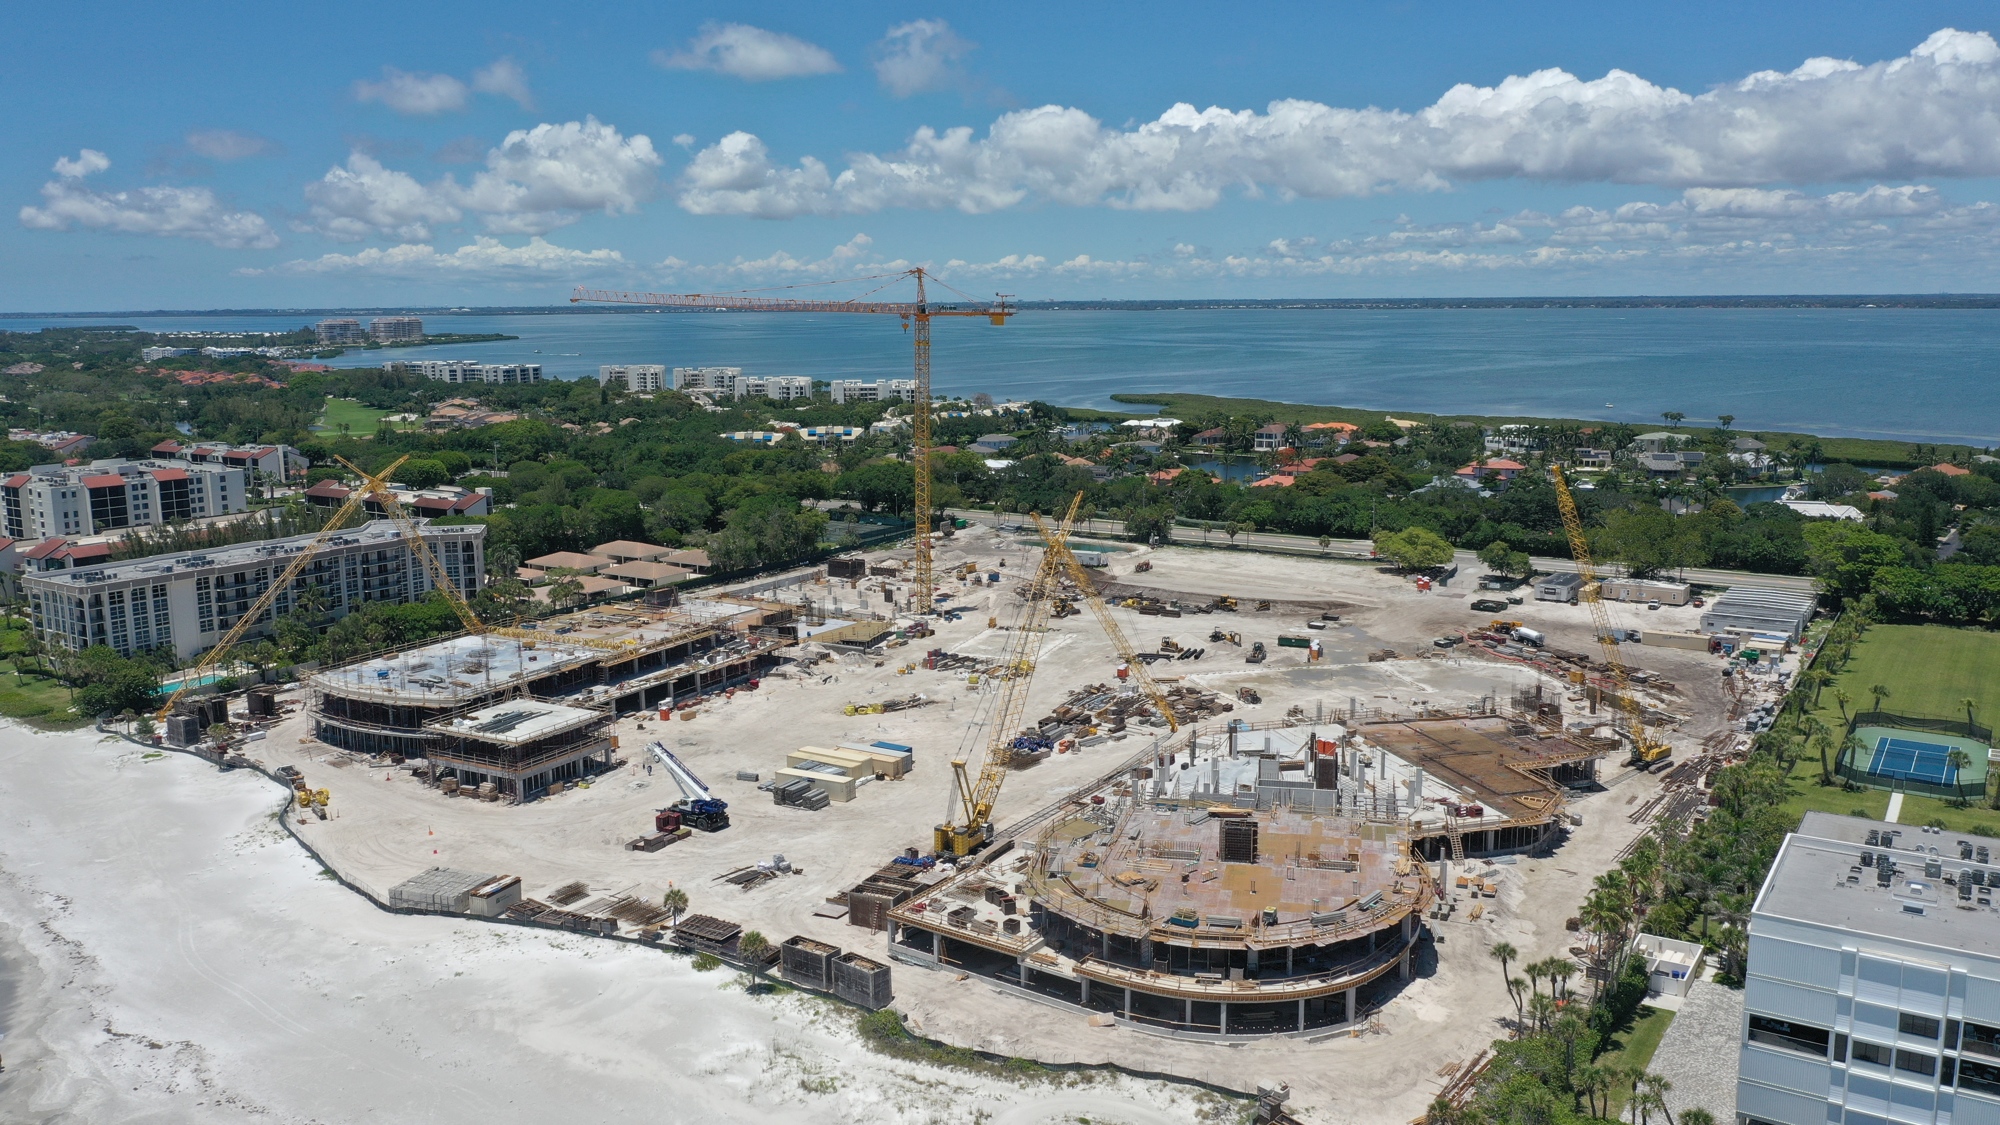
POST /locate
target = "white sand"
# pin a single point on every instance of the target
(173, 956)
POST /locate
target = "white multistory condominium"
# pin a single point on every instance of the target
(639, 378)
(881, 390)
(714, 379)
(60, 500)
(783, 388)
(1872, 992)
(472, 371)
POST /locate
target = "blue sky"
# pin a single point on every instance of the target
(250, 156)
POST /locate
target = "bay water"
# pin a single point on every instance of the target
(1909, 374)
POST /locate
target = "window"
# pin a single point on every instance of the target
(1916, 1062)
(1789, 1036)
(1980, 1039)
(1863, 1051)
(1923, 1027)
(1980, 1077)
(1944, 1070)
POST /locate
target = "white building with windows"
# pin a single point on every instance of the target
(783, 388)
(104, 496)
(881, 390)
(472, 371)
(639, 378)
(340, 330)
(717, 379)
(396, 329)
(1873, 991)
(189, 600)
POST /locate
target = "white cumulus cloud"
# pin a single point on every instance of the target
(183, 212)
(545, 177)
(504, 78)
(418, 95)
(1934, 112)
(535, 181)
(919, 55)
(483, 257)
(363, 198)
(750, 53)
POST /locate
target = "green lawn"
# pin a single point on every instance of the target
(1928, 669)
(1634, 1044)
(360, 420)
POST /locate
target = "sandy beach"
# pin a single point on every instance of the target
(167, 953)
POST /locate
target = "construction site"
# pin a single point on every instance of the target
(1108, 814)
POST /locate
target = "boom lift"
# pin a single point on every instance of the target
(916, 314)
(700, 807)
(1646, 750)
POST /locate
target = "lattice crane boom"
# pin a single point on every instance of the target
(215, 656)
(972, 823)
(916, 316)
(1060, 546)
(1644, 747)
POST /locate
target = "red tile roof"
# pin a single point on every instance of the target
(167, 447)
(1950, 470)
(106, 480)
(46, 548)
(329, 489)
(170, 474)
(17, 480)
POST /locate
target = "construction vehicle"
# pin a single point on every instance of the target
(916, 315)
(1646, 750)
(1263, 606)
(1248, 695)
(1168, 644)
(1257, 653)
(1227, 605)
(699, 807)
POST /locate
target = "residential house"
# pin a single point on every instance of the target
(1675, 464)
(695, 560)
(445, 500)
(1212, 438)
(1269, 438)
(625, 550)
(1335, 434)
(570, 560)
(648, 574)
(1592, 458)
(994, 443)
(1659, 441)
(1497, 467)
(1949, 469)
(1513, 438)
(1275, 480)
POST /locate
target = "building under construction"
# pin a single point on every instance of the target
(1246, 882)
(515, 749)
(610, 659)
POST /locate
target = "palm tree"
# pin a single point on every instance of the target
(676, 903)
(1591, 1081)
(1673, 418)
(1824, 742)
(1695, 1115)
(1517, 990)
(1560, 969)
(1503, 953)
(1968, 703)
(1841, 698)
(1534, 971)
(1656, 1089)
(1958, 760)
(1725, 419)
(1880, 692)
(1544, 1009)
(753, 947)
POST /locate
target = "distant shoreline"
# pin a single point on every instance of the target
(1365, 304)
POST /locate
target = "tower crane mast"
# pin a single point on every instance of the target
(916, 316)
(1645, 748)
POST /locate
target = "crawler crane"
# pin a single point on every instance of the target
(1646, 750)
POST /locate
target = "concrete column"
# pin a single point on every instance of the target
(1403, 965)
(892, 931)
(1302, 1017)
(1350, 996)
(1187, 1012)
(1104, 945)
(1086, 991)
(1288, 960)
(1224, 1025)
(1145, 953)
(1128, 1003)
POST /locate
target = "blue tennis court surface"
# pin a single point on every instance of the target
(1916, 761)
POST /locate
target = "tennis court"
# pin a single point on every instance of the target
(1892, 756)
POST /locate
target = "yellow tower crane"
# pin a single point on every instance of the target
(213, 658)
(916, 316)
(1646, 749)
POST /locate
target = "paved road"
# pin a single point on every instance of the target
(1277, 543)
